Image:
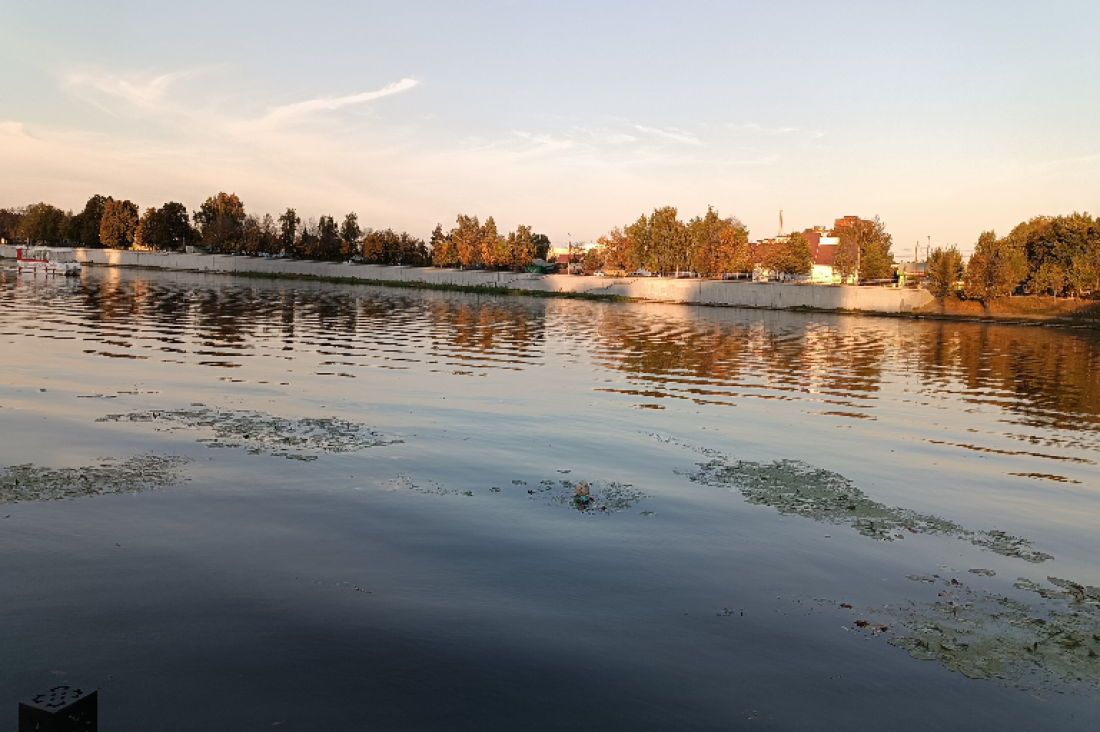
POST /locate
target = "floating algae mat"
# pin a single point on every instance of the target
(795, 488)
(983, 635)
(258, 432)
(138, 473)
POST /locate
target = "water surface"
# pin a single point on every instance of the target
(233, 504)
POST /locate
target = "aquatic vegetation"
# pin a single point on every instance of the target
(794, 488)
(134, 474)
(984, 635)
(586, 496)
(258, 432)
(405, 482)
(593, 497)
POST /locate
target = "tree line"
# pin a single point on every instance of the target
(711, 245)
(473, 244)
(1046, 255)
(221, 224)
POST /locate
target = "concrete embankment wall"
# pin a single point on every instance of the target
(691, 291)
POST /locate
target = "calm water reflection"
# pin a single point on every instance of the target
(423, 580)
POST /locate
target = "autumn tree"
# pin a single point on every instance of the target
(718, 245)
(444, 253)
(790, 256)
(119, 224)
(288, 229)
(945, 268)
(520, 248)
(259, 235)
(996, 268)
(220, 221)
(615, 247)
(494, 247)
(467, 240)
(593, 260)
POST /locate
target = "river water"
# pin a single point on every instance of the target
(240, 504)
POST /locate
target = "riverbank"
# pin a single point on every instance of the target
(1032, 309)
(773, 296)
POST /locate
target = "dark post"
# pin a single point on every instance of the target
(61, 709)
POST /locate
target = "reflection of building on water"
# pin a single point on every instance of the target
(47, 261)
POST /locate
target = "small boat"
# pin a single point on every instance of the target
(47, 261)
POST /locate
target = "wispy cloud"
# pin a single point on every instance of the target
(328, 104)
(15, 129)
(148, 94)
(671, 134)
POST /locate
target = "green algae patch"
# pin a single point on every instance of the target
(1053, 643)
(794, 488)
(132, 475)
(259, 433)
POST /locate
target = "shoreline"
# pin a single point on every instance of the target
(893, 303)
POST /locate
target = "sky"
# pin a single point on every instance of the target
(945, 119)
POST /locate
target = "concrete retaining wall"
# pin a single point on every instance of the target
(694, 291)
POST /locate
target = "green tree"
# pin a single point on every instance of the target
(1050, 279)
(870, 244)
(43, 223)
(220, 221)
(542, 246)
(307, 239)
(10, 219)
(91, 220)
(288, 228)
(945, 268)
(176, 231)
(328, 239)
(670, 244)
(997, 267)
(119, 225)
(351, 234)
(168, 227)
(790, 256)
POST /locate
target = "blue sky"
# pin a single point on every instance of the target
(945, 119)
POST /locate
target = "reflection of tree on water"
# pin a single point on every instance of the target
(1049, 376)
(341, 321)
(701, 360)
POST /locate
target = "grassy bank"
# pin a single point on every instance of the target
(1021, 308)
